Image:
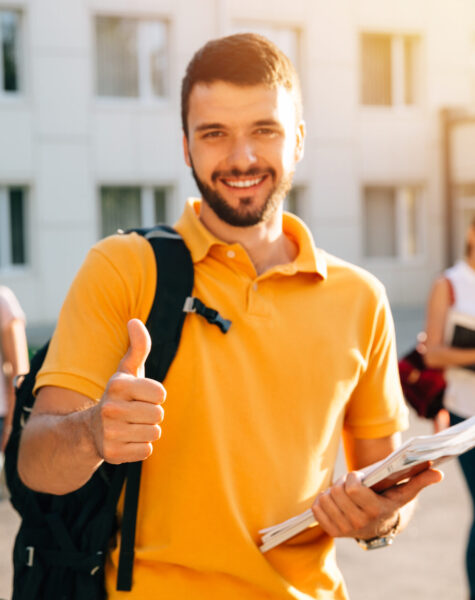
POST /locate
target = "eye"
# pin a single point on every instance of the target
(213, 134)
(266, 131)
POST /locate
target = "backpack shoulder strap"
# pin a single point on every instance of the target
(175, 278)
(165, 322)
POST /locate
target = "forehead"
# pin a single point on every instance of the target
(227, 103)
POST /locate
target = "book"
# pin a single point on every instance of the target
(413, 456)
(461, 333)
(464, 337)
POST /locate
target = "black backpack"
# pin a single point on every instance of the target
(62, 543)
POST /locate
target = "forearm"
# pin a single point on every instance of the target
(57, 452)
(441, 356)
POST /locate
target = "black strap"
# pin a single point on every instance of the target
(165, 322)
(129, 522)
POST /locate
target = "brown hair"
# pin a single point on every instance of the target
(242, 59)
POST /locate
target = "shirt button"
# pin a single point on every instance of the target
(230, 254)
(255, 286)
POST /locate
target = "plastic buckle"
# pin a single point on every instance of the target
(189, 306)
(31, 554)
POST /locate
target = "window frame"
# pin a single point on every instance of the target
(401, 257)
(147, 202)
(140, 99)
(298, 192)
(9, 95)
(398, 74)
(6, 265)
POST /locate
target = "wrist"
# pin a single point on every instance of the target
(91, 447)
(384, 538)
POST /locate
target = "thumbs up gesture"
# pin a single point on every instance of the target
(127, 419)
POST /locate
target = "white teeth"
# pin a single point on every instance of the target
(244, 184)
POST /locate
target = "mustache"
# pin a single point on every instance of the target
(253, 172)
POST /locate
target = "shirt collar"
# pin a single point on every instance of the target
(199, 240)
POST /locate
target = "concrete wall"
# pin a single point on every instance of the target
(63, 142)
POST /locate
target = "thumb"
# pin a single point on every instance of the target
(409, 490)
(133, 362)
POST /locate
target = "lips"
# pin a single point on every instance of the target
(243, 183)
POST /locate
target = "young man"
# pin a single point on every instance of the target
(253, 417)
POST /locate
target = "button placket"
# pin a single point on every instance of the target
(257, 301)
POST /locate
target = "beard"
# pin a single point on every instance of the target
(246, 215)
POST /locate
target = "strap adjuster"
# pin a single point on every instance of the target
(193, 305)
(30, 550)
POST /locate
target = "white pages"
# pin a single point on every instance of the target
(415, 455)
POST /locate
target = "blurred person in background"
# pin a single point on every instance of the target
(452, 302)
(13, 355)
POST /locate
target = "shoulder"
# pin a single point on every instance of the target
(355, 279)
(442, 290)
(119, 271)
(123, 248)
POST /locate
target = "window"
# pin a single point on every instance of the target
(12, 226)
(286, 38)
(392, 225)
(132, 58)
(389, 69)
(293, 201)
(10, 32)
(132, 206)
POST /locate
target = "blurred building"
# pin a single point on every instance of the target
(90, 135)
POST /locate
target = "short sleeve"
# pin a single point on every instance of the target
(377, 407)
(115, 284)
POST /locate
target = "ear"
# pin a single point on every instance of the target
(186, 150)
(299, 146)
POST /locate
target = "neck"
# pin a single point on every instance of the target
(265, 243)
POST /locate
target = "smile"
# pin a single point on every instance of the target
(243, 183)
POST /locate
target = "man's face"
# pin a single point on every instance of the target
(243, 144)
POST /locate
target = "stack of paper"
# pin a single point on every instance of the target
(415, 455)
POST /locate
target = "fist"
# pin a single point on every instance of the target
(127, 419)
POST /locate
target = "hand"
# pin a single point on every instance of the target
(441, 420)
(350, 509)
(127, 419)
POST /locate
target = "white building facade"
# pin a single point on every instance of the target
(90, 133)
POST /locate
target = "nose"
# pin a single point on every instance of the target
(242, 154)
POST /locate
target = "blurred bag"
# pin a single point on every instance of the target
(423, 387)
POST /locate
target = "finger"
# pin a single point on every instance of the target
(328, 514)
(133, 362)
(133, 433)
(137, 412)
(128, 452)
(128, 387)
(406, 492)
(356, 502)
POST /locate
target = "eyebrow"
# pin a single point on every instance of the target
(259, 123)
(206, 126)
(267, 123)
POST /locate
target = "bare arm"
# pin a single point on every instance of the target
(15, 356)
(68, 435)
(350, 509)
(438, 354)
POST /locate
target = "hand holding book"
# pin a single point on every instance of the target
(412, 457)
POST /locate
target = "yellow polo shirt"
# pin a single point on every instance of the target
(253, 418)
